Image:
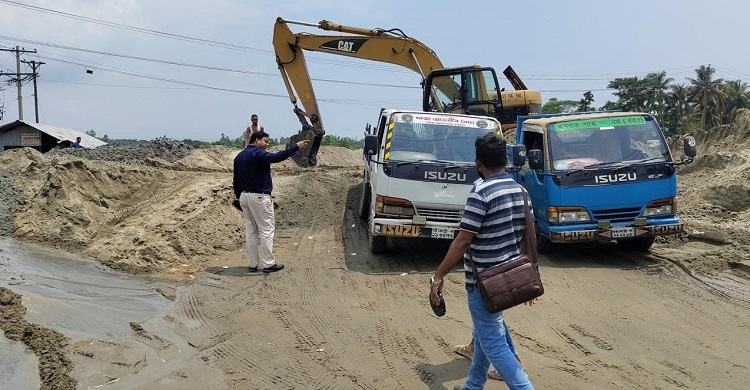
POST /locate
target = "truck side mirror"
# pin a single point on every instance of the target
(535, 159)
(371, 145)
(519, 155)
(689, 146)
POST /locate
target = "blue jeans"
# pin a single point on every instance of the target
(507, 339)
(491, 346)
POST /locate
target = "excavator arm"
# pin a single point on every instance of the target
(466, 90)
(391, 46)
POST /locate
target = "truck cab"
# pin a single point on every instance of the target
(600, 177)
(419, 169)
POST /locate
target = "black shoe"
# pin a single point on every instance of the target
(252, 269)
(274, 268)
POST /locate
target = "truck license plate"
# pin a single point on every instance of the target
(442, 233)
(623, 233)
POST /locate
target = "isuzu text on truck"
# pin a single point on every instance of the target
(419, 169)
(600, 177)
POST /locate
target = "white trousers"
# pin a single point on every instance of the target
(260, 224)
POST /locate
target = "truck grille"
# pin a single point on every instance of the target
(440, 214)
(617, 215)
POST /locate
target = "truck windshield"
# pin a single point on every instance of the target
(419, 141)
(608, 140)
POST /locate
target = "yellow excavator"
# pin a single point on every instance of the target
(470, 90)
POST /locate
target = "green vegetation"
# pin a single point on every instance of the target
(328, 140)
(701, 103)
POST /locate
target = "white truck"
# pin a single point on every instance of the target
(419, 169)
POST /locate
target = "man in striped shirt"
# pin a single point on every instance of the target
(491, 231)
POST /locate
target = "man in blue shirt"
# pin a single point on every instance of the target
(490, 232)
(252, 187)
(77, 145)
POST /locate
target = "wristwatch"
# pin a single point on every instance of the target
(435, 284)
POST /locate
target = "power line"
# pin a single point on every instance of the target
(208, 42)
(139, 29)
(135, 74)
(605, 74)
(185, 64)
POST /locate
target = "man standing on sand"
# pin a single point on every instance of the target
(253, 128)
(252, 188)
(491, 229)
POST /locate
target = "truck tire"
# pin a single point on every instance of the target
(640, 244)
(377, 243)
(543, 244)
(364, 201)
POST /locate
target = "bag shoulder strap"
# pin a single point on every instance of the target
(529, 233)
(528, 238)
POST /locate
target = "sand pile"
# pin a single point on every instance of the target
(145, 209)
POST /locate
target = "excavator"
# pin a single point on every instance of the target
(472, 90)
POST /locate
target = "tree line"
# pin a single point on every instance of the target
(328, 140)
(700, 103)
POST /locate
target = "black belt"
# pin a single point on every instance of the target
(258, 192)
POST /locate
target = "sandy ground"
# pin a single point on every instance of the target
(340, 318)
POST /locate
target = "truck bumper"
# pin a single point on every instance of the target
(564, 234)
(405, 229)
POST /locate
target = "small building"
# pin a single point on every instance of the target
(22, 134)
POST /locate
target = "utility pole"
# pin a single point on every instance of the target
(34, 66)
(18, 76)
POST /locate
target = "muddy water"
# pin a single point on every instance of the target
(18, 366)
(80, 299)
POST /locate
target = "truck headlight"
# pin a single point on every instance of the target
(568, 214)
(394, 206)
(660, 207)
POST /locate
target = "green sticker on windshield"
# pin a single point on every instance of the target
(600, 122)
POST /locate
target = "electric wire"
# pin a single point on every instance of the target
(208, 67)
(313, 58)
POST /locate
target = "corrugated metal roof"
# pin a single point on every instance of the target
(60, 133)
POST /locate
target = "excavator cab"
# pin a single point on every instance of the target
(470, 90)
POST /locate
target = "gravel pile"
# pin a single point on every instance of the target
(163, 148)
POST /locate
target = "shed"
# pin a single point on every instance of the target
(22, 134)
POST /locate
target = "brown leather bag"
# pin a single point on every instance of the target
(515, 281)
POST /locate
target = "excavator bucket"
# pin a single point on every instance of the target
(307, 157)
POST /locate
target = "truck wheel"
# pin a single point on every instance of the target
(364, 201)
(543, 244)
(641, 244)
(377, 243)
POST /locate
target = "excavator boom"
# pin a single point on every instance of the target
(377, 45)
(466, 90)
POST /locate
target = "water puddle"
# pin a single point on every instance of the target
(80, 299)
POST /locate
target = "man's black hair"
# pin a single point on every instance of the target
(491, 151)
(257, 135)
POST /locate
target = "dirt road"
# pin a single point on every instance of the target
(340, 318)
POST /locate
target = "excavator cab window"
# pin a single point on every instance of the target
(446, 95)
(481, 92)
(465, 90)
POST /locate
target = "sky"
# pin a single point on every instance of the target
(562, 48)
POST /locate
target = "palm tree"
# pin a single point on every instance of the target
(679, 97)
(657, 84)
(707, 94)
(585, 103)
(737, 97)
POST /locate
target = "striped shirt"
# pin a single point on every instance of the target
(494, 213)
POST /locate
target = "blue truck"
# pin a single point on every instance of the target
(604, 176)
